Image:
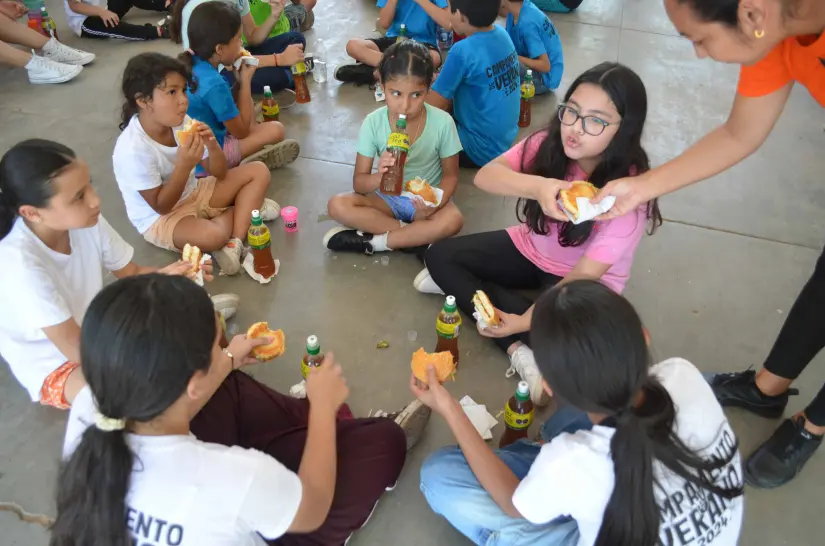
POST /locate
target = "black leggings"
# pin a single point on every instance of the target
(802, 337)
(94, 27)
(490, 262)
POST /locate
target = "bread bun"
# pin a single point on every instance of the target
(187, 130)
(193, 255)
(578, 188)
(443, 362)
(486, 309)
(245, 53)
(271, 350)
(420, 187)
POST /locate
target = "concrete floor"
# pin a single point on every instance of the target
(713, 285)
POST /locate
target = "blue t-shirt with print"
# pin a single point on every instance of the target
(212, 104)
(481, 77)
(534, 35)
(420, 26)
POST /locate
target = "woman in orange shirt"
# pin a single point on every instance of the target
(778, 43)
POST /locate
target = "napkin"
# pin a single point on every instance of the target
(479, 417)
(587, 210)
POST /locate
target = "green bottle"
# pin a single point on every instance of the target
(402, 33)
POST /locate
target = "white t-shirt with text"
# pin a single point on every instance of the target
(185, 492)
(40, 288)
(573, 474)
(140, 163)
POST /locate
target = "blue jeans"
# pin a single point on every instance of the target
(538, 79)
(275, 77)
(453, 491)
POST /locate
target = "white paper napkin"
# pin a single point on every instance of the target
(587, 210)
(479, 417)
(249, 267)
(481, 322)
(199, 274)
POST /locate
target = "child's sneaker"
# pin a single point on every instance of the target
(344, 239)
(43, 70)
(226, 304)
(277, 155)
(229, 257)
(523, 362)
(62, 53)
(412, 419)
(270, 210)
(357, 73)
(163, 27)
(425, 284)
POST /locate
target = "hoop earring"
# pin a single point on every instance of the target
(759, 34)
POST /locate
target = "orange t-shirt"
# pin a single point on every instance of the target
(800, 59)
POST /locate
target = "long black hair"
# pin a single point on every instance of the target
(143, 74)
(27, 173)
(624, 156)
(726, 12)
(210, 25)
(407, 59)
(142, 340)
(591, 350)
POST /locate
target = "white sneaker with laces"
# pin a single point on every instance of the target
(62, 53)
(229, 257)
(270, 210)
(42, 70)
(425, 284)
(226, 304)
(523, 363)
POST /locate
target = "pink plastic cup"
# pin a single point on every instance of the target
(290, 216)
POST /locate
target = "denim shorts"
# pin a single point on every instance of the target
(402, 207)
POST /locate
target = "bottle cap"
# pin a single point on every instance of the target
(256, 217)
(403, 25)
(523, 390)
(449, 304)
(529, 72)
(402, 116)
(313, 345)
(267, 90)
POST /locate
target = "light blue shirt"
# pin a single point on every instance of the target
(534, 35)
(420, 26)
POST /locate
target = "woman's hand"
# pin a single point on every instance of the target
(547, 194)
(190, 152)
(509, 325)
(433, 394)
(326, 385)
(629, 192)
(241, 349)
(385, 161)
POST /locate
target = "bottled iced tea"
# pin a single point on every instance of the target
(402, 33)
(260, 243)
(448, 327)
(518, 415)
(49, 27)
(392, 182)
(313, 356)
(299, 74)
(528, 91)
(269, 106)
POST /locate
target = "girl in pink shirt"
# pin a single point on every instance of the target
(596, 136)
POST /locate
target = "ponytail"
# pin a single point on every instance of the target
(211, 24)
(26, 174)
(92, 489)
(176, 23)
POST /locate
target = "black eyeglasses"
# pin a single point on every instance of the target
(592, 125)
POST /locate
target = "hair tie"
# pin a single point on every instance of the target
(107, 424)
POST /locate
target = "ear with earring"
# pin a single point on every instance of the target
(759, 34)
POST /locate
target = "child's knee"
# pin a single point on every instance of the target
(215, 236)
(354, 46)
(453, 221)
(338, 205)
(258, 172)
(275, 131)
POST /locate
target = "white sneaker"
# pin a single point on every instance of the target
(226, 304)
(42, 70)
(523, 362)
(270, 210)
(425, 284)
(229, 257)
(62, 53)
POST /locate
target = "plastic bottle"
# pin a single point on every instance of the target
(299, 74)
(260, 242)
(319, 72)
(313, 356)
(444, 38)
(49, 28)
(402, 33)
(448, 327)
(528, 91)
(269, 106)
(392, 181)
(518, 415)
(35, 24)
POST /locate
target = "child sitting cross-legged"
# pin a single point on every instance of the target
(377, 222)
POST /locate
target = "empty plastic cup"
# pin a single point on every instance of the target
(290, 216)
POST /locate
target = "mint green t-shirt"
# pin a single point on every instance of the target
(438, 140)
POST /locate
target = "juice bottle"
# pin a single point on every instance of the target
(259, 242)
(528, 91)
(313, 356)
(518, 415)
(398, 145)
(34, 24)
(299, 74)
(269, 106)
(402, 33)
(448, 326)
(49, 28)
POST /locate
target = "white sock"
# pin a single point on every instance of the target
(379, 242)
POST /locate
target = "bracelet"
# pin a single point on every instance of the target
(231, 357)
(275, 56)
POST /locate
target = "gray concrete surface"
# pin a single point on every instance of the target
(713, 286)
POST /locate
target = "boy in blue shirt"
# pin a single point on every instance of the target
(419, 17)
(537, 43)
(480, 83)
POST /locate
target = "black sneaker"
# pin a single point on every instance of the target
(782, 456)
(359, 74)
(739, 390)
(348, 240)
(412, 419)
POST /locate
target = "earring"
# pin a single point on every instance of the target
(759, 34)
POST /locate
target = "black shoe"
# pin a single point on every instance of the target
(782, 456)
(739, 390)
(359, 74)
(348, 240)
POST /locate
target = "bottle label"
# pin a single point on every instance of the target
(305, 368)
(518, 421)
(259, 241)
(528, 91)
(447, 331)
(398, 141)
(289, 224)
(271, 110)
(299, 68)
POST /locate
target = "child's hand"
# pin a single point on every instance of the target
(547, 194)
(14, 10)
(190, 153)
(207, 136)
(385, 161)
(433, 394)
(509, 325)
(292, 55)
(422, 211)
(246, 71)
(110, 18)
(326, 385)
(241, 349)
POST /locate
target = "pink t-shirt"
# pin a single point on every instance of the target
(612, 242)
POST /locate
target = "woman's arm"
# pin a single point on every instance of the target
(387, 14)
(363, 179)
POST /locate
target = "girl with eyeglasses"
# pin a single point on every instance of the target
(596, 136)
